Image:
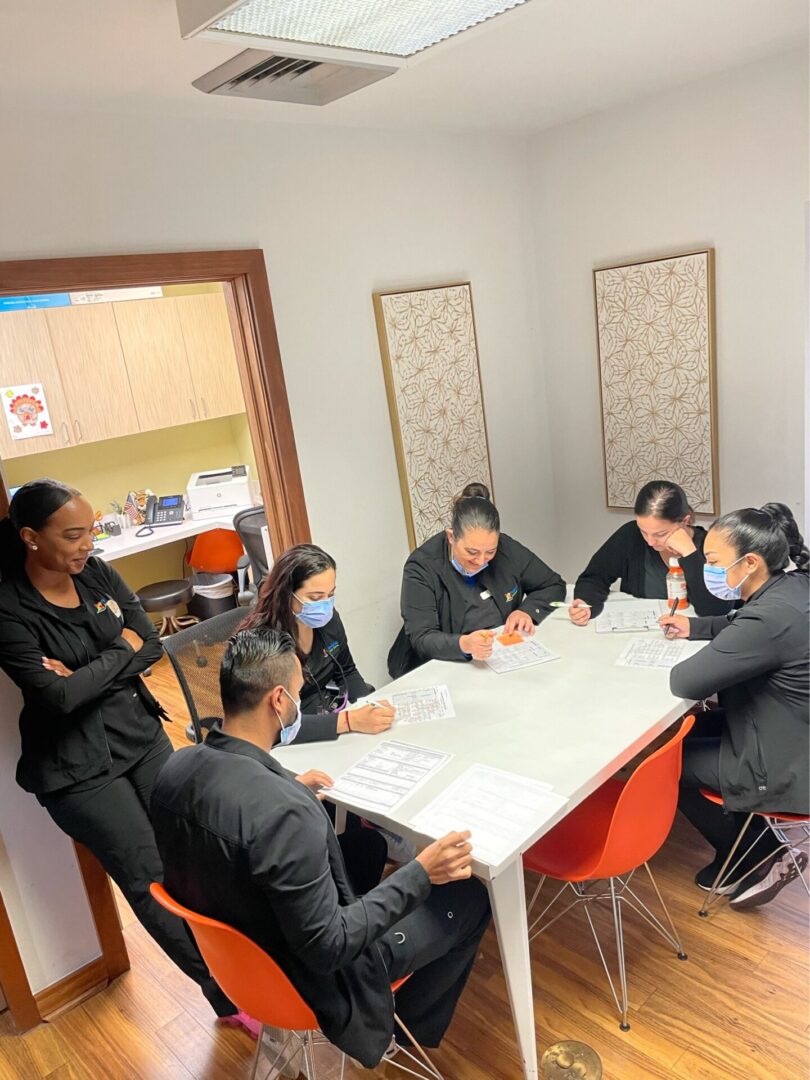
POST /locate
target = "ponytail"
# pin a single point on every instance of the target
(771, 532)
(30, 508)
(473, 509)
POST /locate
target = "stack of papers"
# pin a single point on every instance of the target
(501, 809)
(651, 653)
(631, 616)
(511, 657)
(429, 703)
(387, 775)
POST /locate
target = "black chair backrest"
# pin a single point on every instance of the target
(195, 655)
(248, 525)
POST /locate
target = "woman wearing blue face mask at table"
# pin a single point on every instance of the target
(298, 596)
(463, 582)
(754, 749)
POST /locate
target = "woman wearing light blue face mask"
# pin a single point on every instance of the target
(754, 750)
(298, 596)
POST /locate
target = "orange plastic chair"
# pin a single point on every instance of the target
(609, 836)
(256, 984)
(791, 830)
(216, 551)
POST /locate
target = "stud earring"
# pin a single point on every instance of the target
(34, 547)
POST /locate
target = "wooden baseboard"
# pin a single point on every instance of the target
(74, 988)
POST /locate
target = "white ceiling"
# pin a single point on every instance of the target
(541, 64)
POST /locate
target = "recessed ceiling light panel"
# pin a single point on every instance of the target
(390, 27)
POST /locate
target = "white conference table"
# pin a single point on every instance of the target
(571, 722)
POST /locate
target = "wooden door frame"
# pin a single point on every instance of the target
(250, 309)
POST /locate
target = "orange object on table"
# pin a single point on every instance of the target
(216, 551)
(511, 639)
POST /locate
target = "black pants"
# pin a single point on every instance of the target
(701, 769)
(438, 942)
(113, 821)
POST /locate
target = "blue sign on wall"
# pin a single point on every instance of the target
(43, 300)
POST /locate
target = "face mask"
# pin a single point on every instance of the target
(315, 613)
(467, 573)
(716, 581)
(288, 733)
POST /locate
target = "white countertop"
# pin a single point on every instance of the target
(118, 547)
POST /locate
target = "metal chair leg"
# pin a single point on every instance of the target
(425, 1062)
(617, 922)
(258, 1054)
(704, 911)
(665, 909)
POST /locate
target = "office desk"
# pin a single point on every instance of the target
(571, 722)
(118, 547)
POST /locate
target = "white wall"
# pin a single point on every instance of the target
(720, 163)
(339, 214)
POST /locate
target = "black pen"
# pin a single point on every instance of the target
(672, 611)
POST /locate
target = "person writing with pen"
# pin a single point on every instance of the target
(464, 582)
(298, 596)
(638, 555)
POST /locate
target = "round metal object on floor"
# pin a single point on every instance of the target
(570, 1060)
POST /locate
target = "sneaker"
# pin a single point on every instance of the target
(241, 1020)
(704, 879)
(782, 871)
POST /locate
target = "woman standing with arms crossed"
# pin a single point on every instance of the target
(75, 640)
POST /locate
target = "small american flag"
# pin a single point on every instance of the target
(132, 510)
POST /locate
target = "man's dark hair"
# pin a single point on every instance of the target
(254, 662)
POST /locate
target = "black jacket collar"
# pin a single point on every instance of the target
(230, 744)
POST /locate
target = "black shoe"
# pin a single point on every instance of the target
(704, 879)
(779, 873)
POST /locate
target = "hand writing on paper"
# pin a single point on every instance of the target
(56, 666)
(367, 719)
(579, 613)
(478, 644)
(674, 626)
(518, 622)
(448, 859)
(314, 779)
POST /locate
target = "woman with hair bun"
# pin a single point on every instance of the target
(754, 750)
(638, 555)
(463, 582)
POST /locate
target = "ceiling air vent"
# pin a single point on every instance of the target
(269, 76)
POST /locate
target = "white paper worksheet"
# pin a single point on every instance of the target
(387, 774)
(651, 652)
(501, 810)
(511, 657)
(631, 616)
(429, 703)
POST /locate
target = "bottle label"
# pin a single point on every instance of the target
(676, 589)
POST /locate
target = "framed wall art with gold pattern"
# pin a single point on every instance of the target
(432, 378)
(655, 340)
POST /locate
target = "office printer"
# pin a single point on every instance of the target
(210, 494)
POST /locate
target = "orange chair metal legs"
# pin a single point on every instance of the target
(607, 838)
(791, 830)
(257, 985)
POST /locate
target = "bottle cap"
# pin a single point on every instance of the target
(675, 563)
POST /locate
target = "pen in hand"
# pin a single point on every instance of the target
(672, 610)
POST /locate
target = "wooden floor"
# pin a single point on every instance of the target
(737, 1009)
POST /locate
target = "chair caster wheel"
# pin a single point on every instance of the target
(682, 956)
(624, 1027)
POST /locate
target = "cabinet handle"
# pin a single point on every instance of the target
(77, 428)
(65, 434)
(193, 405)
(204, 407)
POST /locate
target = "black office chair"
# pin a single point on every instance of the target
(248, 525)
(195, 655)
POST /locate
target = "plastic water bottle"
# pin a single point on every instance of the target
(676, 585)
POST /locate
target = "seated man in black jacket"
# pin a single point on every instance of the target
(244, 842)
